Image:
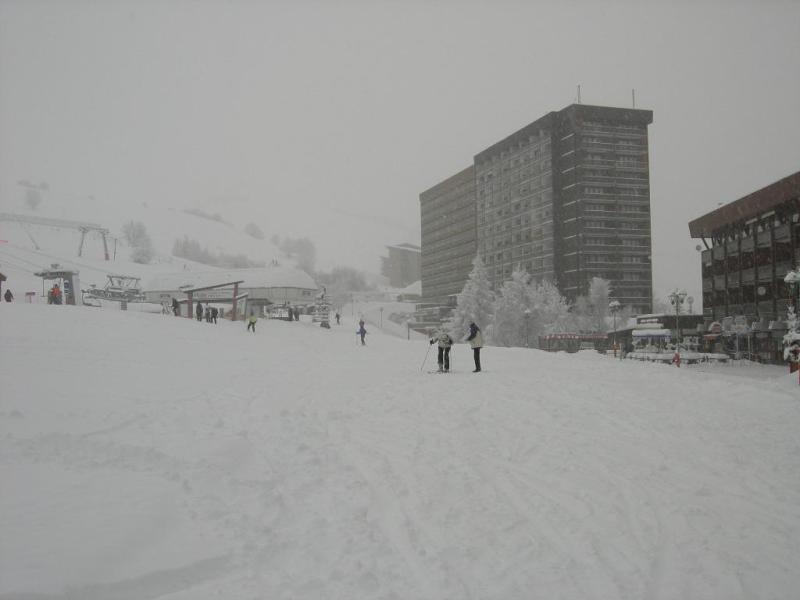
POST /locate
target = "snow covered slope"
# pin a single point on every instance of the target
(26, 248)
(146, 456)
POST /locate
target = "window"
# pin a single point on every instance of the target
(631, 243)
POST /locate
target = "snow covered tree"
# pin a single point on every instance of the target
(139, 240)
(791, 340)
(589, 312)
(524, 311)
(510, 306)
(474, 303)
(599, 291)
(550, 312)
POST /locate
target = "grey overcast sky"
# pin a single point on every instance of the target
(331, 117)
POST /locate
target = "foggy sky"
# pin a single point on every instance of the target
(331, 117)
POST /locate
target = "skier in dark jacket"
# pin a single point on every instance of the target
(362, 332)
(214, 314)
(444, 342)
(199, 312)
(176, 307)
(475, 340)
(8, 296)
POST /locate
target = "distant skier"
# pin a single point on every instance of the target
(251, 322)
(444, 342)
(337, 318)
(362, 331)
(176, 307)
(208, 313)
(214, 314)
(291, 314)
(8, 296)
(199, 312)
(475, 340)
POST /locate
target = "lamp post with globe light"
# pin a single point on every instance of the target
(614, 307)
(677, 298)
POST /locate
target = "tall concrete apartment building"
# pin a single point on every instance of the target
(449, 237)
(566, 197)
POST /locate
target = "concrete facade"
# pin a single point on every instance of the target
(751, 244)
(566, 197)
(402, 266)
(449, 237)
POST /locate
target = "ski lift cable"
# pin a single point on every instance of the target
(52, 257)
(18, 267)
(12, 257)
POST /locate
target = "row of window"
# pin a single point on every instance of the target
(627, 243)
(611, 207)
(627, 225)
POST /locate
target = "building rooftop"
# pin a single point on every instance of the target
(264, 277)
(748, 207)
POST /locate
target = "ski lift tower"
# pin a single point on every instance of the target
(69, 282)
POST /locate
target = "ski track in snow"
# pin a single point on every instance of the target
(154, 457)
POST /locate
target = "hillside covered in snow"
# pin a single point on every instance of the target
(27, 247)
(147, 456)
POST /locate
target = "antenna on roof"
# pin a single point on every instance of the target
(633, 98)
(579, 93)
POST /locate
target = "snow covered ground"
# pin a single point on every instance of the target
(144, 456)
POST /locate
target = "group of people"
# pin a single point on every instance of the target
(444, 342)
(209, 312)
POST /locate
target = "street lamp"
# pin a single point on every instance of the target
(527, 315)
(614, 307)
(677, 298)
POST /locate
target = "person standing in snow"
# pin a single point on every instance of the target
(362, 331)
(475, 340)
(214, 314)
(8, 296)
(54, 295)
(444, 342)
(199, 312)
(337, 318)
(176, 307)
(251, 322)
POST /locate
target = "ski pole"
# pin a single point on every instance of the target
(426, 357)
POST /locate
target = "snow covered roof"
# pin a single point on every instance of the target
(414, 288)
(405, 246)
(263, 277)
(651, 333)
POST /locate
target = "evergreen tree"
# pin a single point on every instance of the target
(550, 313)
(474, 303)
(589, 312)
(135, 233)
(509, 327)
(599, 292)
(524, 311)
